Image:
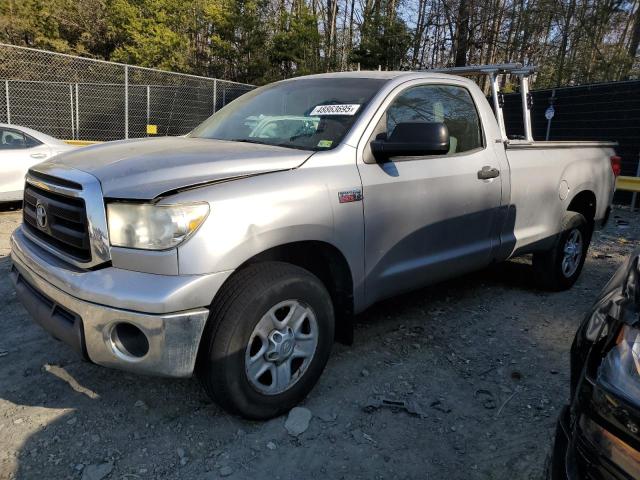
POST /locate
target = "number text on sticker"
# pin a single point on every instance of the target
(335, 110)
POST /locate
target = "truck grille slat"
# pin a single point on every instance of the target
(68, 211)
(66, 225)
(67, 235)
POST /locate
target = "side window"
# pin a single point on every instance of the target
(12, 140)
(446, 104)
(31, 142)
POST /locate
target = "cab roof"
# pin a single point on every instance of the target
(398, 76)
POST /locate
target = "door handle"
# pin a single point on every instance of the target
(488, 172)
(38, 155)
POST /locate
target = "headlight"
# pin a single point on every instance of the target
(620, 370)
(622, 286)
(153, 227)
(598, 322)
(597, 325)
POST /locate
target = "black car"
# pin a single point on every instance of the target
(598, 433)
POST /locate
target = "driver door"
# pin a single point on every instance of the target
(428, 218)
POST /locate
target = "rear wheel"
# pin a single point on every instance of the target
(559, 267)
(267, 341)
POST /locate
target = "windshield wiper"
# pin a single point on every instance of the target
(289, 145)
(285, 145)
(247, 140)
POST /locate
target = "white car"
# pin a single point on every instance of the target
(20, 149)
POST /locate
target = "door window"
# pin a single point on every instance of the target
(446, 104)
(13, 140)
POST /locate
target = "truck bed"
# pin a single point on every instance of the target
(554, 173)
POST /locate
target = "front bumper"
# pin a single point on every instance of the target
(82, 308)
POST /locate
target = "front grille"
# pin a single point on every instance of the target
(66, 226)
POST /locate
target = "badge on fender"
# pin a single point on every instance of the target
(353, 195)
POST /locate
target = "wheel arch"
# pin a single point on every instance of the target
(584, 202)
(326, 262)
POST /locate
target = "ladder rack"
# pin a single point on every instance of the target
(493, 72)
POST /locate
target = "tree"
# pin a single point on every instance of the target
(634, 43)
(256, 41)
(462, 34)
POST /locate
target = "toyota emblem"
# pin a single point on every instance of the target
(41, 215)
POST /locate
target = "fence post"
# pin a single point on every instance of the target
(148, 108)
(77, 116)
(215, 94)
(635, 194)
(73, 134)
(552, 100)
(6, 96)
(224, 95)
(126, 101)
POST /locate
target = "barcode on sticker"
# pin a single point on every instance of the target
(335, 110)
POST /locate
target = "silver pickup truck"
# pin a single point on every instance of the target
(240, 251)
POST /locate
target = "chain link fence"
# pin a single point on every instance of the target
(79, 98)
(603, 111)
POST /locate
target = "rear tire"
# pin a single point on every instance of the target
(558, 268)
(267, 341)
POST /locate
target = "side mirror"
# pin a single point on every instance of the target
(411, 139)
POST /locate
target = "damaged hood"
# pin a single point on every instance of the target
(144, 169)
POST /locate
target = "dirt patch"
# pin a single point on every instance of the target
(461, 380)
(10, 218)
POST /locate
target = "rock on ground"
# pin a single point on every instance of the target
(97, 471)
(298, 421)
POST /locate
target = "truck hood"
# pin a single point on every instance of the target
(144, 169)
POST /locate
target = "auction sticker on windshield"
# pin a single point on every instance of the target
(335, 110)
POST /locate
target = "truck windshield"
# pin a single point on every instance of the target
(308, 114)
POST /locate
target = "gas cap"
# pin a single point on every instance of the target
(563, 191)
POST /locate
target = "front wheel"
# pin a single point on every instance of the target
(559, 267)
(267, 341)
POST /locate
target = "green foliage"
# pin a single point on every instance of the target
(384, 44)
(259, 41)
(150, 33)
(294, 48)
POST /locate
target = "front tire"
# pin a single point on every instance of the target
(267, 341)
(558, 268)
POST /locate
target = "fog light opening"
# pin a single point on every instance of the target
(129, 340)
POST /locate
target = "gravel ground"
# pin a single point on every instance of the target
(482, 362)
